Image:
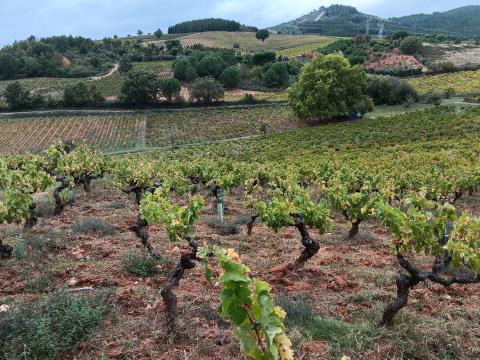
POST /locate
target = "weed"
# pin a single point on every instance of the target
(140, 264)
(49, 327)
(19, 248)
(94, 225)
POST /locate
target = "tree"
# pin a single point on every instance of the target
(399, 35)
(139, 32)
(411, 45)
(262, 58)
(230, 77)
(125, 64)
(276, 75)
(206, 90)
(158, 33)
(170, 88)
(327, 87)
(82, 93)
(140, 88)
(262, 34)
(9, 67)
(211, 65)
(180, 69)
(17, 97)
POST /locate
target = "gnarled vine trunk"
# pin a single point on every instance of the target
(32, 219)
(5, 251)
(140, 229)
(187, 262)
(354, 229)
(311, 245)
(59, 205)
(250, 224)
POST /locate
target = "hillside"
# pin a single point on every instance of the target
(339, 20)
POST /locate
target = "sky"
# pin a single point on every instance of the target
(104, 18)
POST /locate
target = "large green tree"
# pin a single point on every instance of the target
(140, 88)
(329, 86)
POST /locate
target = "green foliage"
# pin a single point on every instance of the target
(399, 35)
(355, 52)
(140, 88)
(140, 264)
(262, 34)
(82, 93)
(158, 33)
(258, 323)
(19, 248)
(230, 77)
(210, 24)
(170, 88)
(19, 98)
(328, 86)
(94, 225)
(206, 91)
(178, 220)
(276, 75)
(411, 45)
(125, 64)
(390, 90)
(50, 327)
(262, 58)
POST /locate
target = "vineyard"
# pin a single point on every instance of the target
(193, 126)
(21, 135)
(248, 41)
(465, 82)
(355, 239)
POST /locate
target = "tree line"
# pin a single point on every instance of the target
(210, 24)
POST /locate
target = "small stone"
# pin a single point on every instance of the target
(4, 308)
(72, 282)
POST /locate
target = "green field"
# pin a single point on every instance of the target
(465, 82)
(248, 42)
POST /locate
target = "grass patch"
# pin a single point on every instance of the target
(343, 338)
(51, 326)
(142, 264)
(94, 225)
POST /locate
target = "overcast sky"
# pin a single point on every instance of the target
(101, 18)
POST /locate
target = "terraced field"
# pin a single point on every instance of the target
(248, 41)
(465, 82)
(21, 135)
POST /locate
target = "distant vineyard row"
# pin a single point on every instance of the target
(465, 82)
(156, 129)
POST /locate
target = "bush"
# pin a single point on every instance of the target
(191, 74)
(276, 75)
(20, 99)
(434, 98)
(411, 45)
(230, 77)
(180, 69)
(140, 88)
(170, 88)
(248, 99)
(81, 94)
(206, 90)
(450, 92)
(125, 64)
(140, 264)
(211, 65)
(262, 58)
(94, 225)
(389, 90)
(50, 327)
(443, 67)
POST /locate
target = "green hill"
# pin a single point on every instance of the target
(340, 20)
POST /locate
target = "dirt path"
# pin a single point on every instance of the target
(110, 73)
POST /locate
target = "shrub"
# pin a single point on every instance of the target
(206, 90)
(230, 77)
(19, 248)
(262, 58)
(248, 99)
(170, 88)
(125, 64)
(449, 93)
(94, 225)
(50, 327)
(434, 98)
(411, 45)
(236, 46)
(443, 67)
(82, 93)
(276, 75)
(389, 90)
(18, 98)
(210, 65)
(180, 69)
(140, 264)
(140, 88)
(191, 74)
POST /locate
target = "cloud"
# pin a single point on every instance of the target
(100, 18)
